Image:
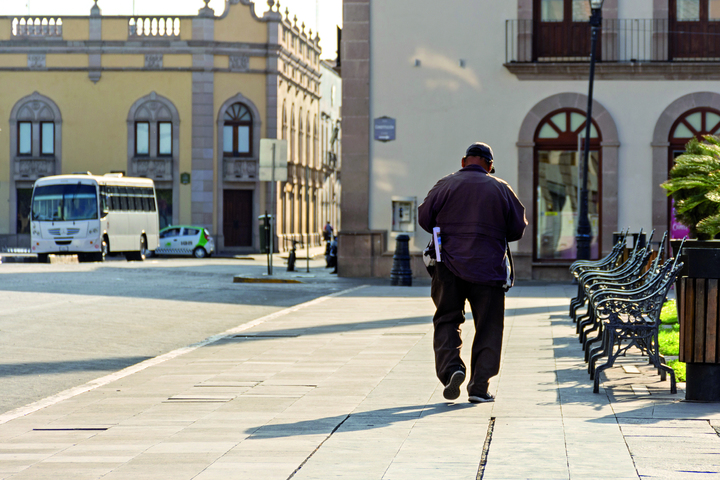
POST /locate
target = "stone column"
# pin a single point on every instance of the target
(203, 109)
(358, 248)
(274, 19)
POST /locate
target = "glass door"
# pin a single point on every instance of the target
(695, 26)
(562, 29)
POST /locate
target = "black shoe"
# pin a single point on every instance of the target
(482, 398)
(452, 389)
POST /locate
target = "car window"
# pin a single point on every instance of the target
(191, 232)
(173, 232)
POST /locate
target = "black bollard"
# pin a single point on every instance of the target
(292, 257)
(401, 274)
(333, 255)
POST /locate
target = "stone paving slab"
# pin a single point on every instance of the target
(344, 387)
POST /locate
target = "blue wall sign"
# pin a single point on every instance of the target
(384, 129)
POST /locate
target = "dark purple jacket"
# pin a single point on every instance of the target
(477, 214)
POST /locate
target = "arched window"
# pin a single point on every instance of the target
(292, 133)
(153, 150)
(308, 143)
(316, 143)
(558, 163)
(284, 122)
(301, 137)
(35, 152)
(692, 124)
(238, 131)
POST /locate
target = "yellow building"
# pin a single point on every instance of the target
(182, 100)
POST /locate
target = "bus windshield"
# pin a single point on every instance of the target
(64, 202)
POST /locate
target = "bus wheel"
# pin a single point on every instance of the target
(43, 258)
(199, 252)
(140, 255)
(144, 252)
(104, 250)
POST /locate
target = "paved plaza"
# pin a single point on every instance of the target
(343, 386)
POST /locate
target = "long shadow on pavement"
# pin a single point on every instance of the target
(331, 328)
(89, 365)
(353, 422)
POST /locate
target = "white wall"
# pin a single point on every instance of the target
(441, 108)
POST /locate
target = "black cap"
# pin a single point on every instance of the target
(479, 149)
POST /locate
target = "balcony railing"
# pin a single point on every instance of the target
(621, 40)
(154, 27)
(34, 27)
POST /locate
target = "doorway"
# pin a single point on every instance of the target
(237, 218)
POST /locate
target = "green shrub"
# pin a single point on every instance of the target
(670, 341)
(679, 368)
(669, 315)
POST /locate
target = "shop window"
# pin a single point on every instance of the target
(24, 199)
(165, 206)
(558, 169)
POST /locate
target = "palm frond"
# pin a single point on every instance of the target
(713, 196)
(710, 225)
(687, 204)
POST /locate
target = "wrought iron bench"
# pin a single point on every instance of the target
(632, 319)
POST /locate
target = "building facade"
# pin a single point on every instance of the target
(182, 100)
(330, 144)
(518, 80)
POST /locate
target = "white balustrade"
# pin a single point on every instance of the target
(33, 27)
(154, 27)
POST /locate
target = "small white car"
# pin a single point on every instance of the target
(185, 240)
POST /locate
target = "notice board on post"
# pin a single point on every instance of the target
(273, 157)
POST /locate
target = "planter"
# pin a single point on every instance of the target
(698, 299)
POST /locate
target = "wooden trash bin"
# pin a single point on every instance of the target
(698, 297)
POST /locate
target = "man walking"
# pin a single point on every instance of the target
(478, 214)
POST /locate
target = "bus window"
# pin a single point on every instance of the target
(147, 199)
(122, 191)
(64, 202)
(104, 201)
(114, 199)
(137, 192)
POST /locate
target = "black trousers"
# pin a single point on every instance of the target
(488, 308)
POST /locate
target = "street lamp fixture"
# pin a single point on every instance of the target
(584, 232)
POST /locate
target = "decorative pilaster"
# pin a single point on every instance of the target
(203, 85)
(95, 44)
(274, 20)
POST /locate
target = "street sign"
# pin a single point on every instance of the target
(273, 160)
(384, 129)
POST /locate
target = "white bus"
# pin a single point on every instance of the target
(93, 216)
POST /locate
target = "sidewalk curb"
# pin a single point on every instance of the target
(241, 279)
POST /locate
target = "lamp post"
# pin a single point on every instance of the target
(583, 230)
